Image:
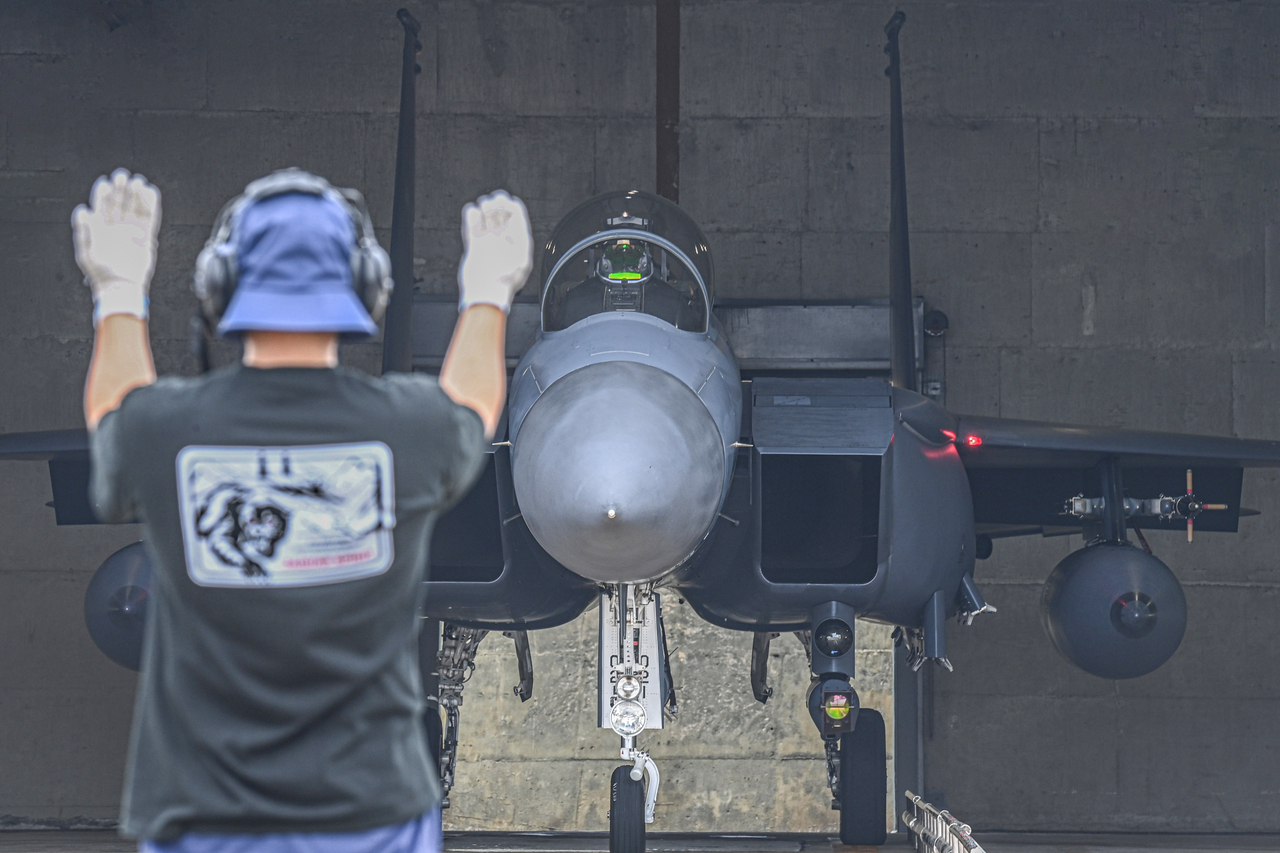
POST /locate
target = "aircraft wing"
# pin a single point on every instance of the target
(67, 452)
(1023, 473)
(48, 444)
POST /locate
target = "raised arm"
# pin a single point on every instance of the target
(121, 362)
(496, 260)
(115, 243)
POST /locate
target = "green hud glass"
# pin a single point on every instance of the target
(625, 261)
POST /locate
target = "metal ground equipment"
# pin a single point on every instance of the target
(935, 830)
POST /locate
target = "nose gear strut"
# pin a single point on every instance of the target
(643, 764)
(635, 691)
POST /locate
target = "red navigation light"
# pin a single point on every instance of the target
(949, 434)
(974, 441)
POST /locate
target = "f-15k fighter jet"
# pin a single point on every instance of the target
(638, 458)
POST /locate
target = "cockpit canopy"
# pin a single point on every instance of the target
(627, 251)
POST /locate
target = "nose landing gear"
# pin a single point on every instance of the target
(631, 802)
(634, 693)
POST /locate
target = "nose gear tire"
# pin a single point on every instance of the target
(626, 811)
(863, 799)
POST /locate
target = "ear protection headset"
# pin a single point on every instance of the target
(217, 272)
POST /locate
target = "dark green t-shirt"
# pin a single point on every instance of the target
(287, 514)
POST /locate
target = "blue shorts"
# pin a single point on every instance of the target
(421, 835)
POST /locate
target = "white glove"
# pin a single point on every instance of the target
(497, 251)
(115, 241)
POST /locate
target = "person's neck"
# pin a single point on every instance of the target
(290, 349)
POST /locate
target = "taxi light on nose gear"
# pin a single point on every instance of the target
(833, 638)
(838, 712)
(628, 687)
(627, 718)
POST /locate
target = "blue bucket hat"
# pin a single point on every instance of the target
(293, 259)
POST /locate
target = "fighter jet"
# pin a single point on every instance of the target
(638, 458)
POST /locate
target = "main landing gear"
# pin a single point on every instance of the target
(853, 737)
(635, 691)
(860, 789)
(456, 662)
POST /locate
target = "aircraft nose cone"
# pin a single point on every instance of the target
(618, 470)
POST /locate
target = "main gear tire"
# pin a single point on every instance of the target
(863, 782)
(626, 812)
(435, 733)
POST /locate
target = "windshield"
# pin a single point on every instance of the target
(627, 251)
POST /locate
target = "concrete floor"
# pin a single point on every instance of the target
(106, 841)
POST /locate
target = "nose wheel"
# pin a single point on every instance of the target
(626, 812)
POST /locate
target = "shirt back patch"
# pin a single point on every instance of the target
(286, 516)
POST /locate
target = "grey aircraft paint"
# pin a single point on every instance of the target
(622, 413)
(623, 424)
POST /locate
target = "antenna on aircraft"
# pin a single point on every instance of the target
(902, 344)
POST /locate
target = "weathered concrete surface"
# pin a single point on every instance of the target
(1093, 191)
(727, 762)
(26, 841)
(65, 708)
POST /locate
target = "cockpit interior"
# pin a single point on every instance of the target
(627, 252)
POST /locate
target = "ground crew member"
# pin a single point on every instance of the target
(287, 504)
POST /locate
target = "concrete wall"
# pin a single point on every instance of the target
(1090, 184)
(727, 763)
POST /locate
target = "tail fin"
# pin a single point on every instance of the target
(397, 338)
(902, 344)
(667, 100)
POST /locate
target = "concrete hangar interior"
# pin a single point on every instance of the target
(1092, 194)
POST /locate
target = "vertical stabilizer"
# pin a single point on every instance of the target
(667, 101)
(902, 352)
(397, 336)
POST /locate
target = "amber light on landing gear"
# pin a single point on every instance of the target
(839, 711)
